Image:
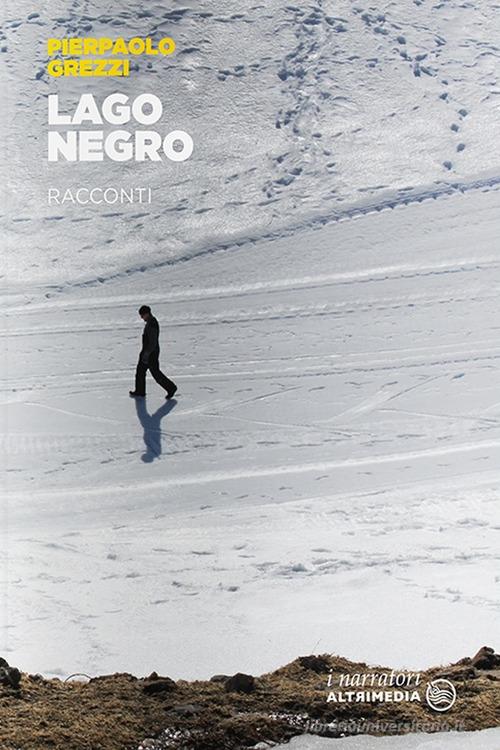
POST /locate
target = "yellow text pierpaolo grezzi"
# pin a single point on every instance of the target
(76, 47)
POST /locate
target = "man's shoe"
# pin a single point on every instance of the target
(134, 394)
(171, 393)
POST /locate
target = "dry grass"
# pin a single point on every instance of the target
(115, 713)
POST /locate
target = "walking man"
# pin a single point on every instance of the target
(149, 357)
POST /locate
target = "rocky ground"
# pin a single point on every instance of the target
(123, 712)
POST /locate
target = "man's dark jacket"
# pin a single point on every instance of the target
(150, 340)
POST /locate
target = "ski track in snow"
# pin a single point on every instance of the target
(311, 223)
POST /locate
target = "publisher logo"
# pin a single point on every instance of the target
(440, 695)
(391, 687)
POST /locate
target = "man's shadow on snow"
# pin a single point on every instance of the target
(151, 424)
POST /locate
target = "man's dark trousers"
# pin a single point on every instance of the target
(153, 366)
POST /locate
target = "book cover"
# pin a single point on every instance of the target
(250, 423)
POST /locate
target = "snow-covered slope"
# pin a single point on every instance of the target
(298, 112)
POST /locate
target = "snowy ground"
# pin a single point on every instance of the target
(327, 479)
(298, 112)
(487, 740)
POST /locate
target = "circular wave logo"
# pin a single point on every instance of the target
(440, 695)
